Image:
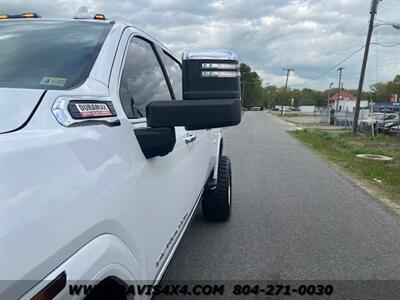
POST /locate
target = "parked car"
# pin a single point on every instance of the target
(385, 110)
(367, 122)
(389, 118)
(394, 130)
(102, 162)
(255, 108)
(379, 120)
(390, 121)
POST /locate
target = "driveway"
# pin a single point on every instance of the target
(294, 218)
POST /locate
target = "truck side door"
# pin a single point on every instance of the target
(163, 188)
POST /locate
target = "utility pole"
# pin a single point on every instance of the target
(265, 94)
(287, 79)
(373, 11)
(329, 93)
(339, 87)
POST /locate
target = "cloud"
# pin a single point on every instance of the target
(308, 35)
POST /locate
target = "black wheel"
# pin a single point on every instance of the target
(217, 202)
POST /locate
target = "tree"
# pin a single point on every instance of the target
(383, 91)
(253, 94)
(269, 95)
(252, 91)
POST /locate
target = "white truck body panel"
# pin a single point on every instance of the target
(16, 105)
(66, 191)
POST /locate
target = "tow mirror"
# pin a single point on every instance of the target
(211, 99)
(210, 75)
(194, 114)
(211, 93)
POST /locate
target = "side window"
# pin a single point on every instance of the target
(142, 79)
(174, 72)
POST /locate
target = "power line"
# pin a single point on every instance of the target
(332, 68)
(339, 63)
(344, 60)
(386, 46)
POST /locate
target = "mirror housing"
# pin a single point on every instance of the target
(210, 75)
(156, 141)
(194, 114)
(211, 99)
(211, 92)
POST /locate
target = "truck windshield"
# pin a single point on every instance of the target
(36, 54)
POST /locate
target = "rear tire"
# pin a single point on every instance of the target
(217, 202)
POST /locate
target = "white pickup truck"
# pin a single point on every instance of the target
(108, 144)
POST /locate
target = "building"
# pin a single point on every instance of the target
(347, 101)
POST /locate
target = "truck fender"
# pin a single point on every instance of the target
(103, 257)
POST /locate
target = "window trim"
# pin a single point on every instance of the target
(158, 48)
(157, 55)
(180, 65)
(172, 57)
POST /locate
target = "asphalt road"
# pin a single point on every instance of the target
(294, 218)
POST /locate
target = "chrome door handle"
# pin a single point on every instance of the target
(190, 138)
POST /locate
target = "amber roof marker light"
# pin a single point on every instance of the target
(99, 17)
(82, 12)
(29, 15)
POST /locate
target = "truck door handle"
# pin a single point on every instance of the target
(190, 138)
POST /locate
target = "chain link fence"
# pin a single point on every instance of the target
(365, 123)
(340, 118)
(325, 116)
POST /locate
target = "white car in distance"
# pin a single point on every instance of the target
(108, 143)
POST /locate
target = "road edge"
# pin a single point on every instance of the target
(376, 193)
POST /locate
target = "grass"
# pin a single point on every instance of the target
(287, 114)
(340, 148)
(292, 114)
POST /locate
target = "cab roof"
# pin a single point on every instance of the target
(85, 17)
(53, 19)
(82, 15)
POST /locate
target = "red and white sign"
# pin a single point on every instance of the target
(393, 98)
(93, 109)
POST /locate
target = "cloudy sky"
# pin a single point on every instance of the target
(311, 36)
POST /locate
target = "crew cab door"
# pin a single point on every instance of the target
(166, 188)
